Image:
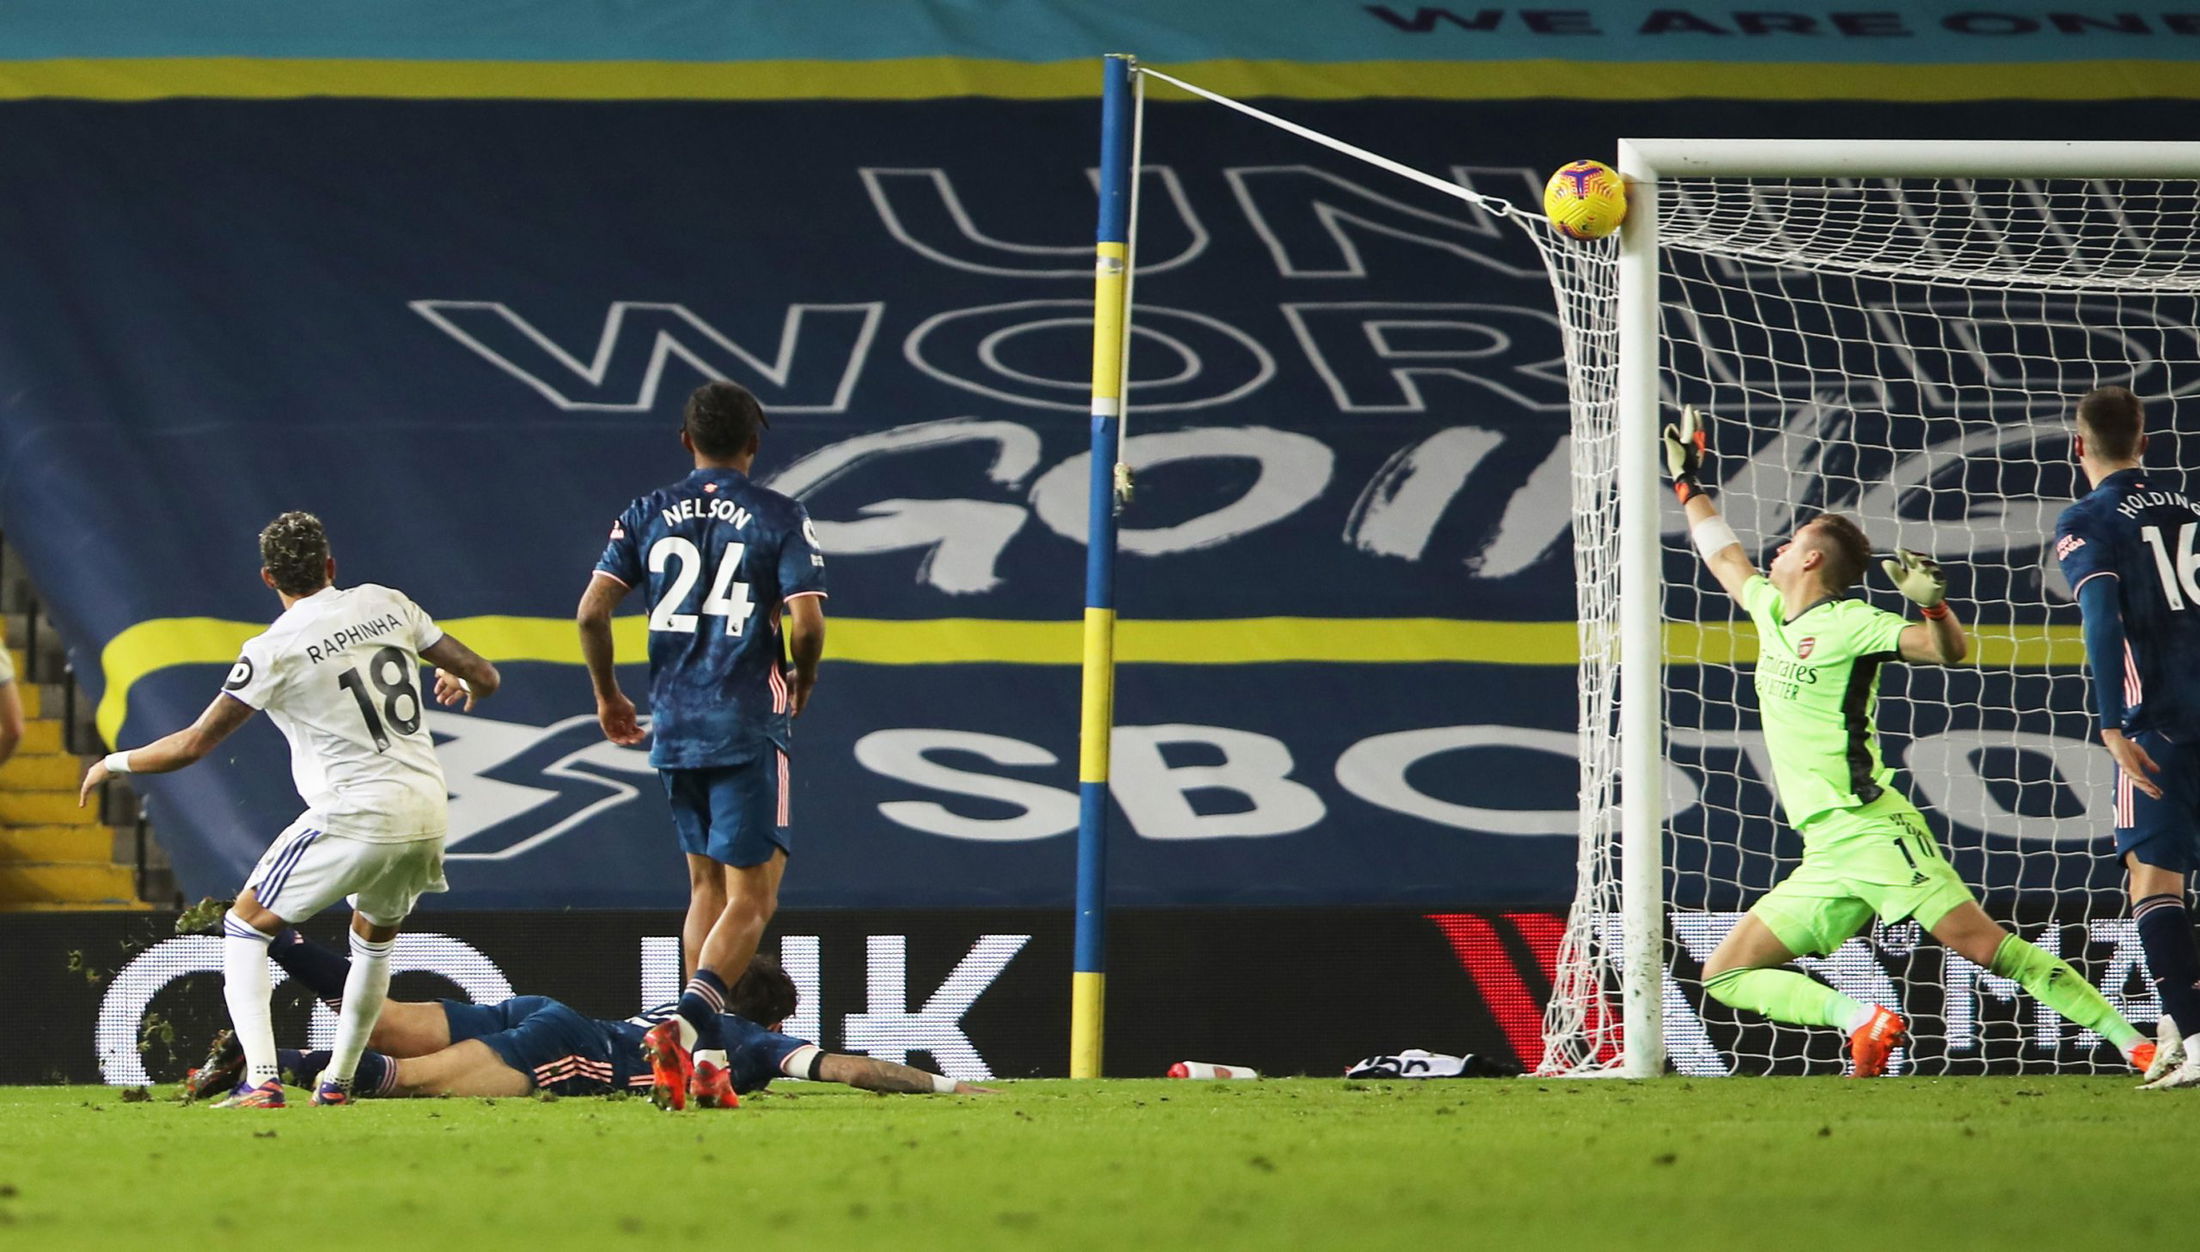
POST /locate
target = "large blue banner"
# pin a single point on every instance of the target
(461, 333)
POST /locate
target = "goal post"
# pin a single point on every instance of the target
(1897, 330)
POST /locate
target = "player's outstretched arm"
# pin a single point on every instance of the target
(805, 646)
(1939, 639)
(876, 1075)
(1715, 541)
(461, 674)
(172, 752)
(614, 712)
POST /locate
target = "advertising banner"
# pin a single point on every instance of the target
(461, 333)
(981, 993)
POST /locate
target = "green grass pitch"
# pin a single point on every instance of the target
(1959, 1162)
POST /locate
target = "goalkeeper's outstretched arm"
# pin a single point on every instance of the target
(1714, 539)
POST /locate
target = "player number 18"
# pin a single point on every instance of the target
(728, 596)
(2181, 572)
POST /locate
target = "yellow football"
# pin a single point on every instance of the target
(1585, 200)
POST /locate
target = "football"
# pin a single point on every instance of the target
(1585, 200)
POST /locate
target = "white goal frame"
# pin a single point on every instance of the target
(1641, 748)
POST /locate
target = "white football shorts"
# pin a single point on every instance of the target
(307, 869)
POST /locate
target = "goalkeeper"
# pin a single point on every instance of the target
(1866, 849)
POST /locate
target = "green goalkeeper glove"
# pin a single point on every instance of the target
(1918, 577)
(1684, 451)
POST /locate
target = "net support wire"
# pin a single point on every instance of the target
(1490, 204)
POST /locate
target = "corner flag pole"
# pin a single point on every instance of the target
(1110, 333)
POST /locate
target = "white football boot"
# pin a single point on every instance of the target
(2169, 1051)
(2187, 1074)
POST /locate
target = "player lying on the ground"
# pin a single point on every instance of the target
(2126, 548)
(1866, 849)
(533, 1043)
(339, 673)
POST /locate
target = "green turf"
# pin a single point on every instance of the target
(1927, 1163)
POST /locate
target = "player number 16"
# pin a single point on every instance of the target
(2180, 573)
(728, 596)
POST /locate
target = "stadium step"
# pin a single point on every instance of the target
(41, 735)
(41, 771)
(45, 808)
(56, 843)
(55, 856)
(70, 882)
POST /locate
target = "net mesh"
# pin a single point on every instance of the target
(1905, 352)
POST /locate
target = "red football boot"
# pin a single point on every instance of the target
(671, 1069)
(713, 1087)
(1870, 1043)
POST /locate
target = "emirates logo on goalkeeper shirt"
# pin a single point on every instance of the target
(1804, 645)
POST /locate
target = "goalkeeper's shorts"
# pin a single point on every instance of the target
(1878, 860)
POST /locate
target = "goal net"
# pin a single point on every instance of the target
(1897, 332)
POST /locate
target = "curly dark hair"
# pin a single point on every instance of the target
(294, 548)
(723, 419)
(765, 994)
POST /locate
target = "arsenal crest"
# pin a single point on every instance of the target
(1805, 644)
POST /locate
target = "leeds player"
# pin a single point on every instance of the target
(339, 673)
(2127, 549)
(1866, 849)
(718, 558)
(528, 1044)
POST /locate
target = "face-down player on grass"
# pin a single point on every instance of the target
(1866, 849)
(527, 1044)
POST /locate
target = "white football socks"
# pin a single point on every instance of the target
(365, 988)
(247, 986)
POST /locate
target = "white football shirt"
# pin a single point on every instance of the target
(339, 672)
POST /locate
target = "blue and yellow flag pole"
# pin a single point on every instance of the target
(1110, 328)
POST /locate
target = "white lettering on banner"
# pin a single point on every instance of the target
(2128, 959)
(1216, 363)
(1308, 217)
(963, 539)
(1948, 768)
(663, 970)
(821, 350)
(1750, 744)
(586, 779)
(901, 754)
(1374, 769)
(798, 955)
(886, 1029)
(1155, 795)
(1965, 983)
(1398, 509)
(921, 210)
(132, 989)
(1294, 471)
(1374, 356)
(889, 1031)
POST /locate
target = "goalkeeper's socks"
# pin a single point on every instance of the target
(2165, 931)
(246, 987)
(1786, 996)
(320, 970)
(2054, 983)
(700, 1004)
